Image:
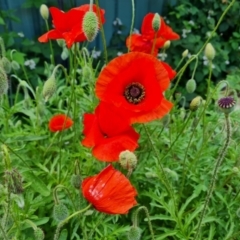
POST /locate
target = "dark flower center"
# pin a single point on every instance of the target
(226, 102)
(134, 93)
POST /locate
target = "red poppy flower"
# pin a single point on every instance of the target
(59, 122)
(109, 192)
(134, 83)
(68, 26)
(144, 42)
(108, 133)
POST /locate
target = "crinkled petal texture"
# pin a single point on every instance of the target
(144, 42)
(137, 69)
(109, 192)
(108, 133)
(60, 122)
(68, 26)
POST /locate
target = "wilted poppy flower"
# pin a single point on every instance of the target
(59, 122)
(109, 192)
(144, 42)
(134, 83)
(68, 26)
(108, 133)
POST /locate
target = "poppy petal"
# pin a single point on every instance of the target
(60, 122)
(52, 34)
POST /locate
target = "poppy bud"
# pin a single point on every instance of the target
(3, 81)
(6, 65)
(39, 234)
(14, 181)
(15, 65)
(166, 120)
(134, 233)
(167, 44)
(195, 103)
(235, 170)
(191, 86)
(49, 88)
(90, 25)
(60, 212)
(86, 73)
(44, 11)
(127, 160)
(209, 52)
(226, 104)
(185, 53)
(156, 22)
(64, 54)
(61, 43)
(76, 181)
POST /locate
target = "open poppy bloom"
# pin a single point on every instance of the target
(108, 133)
(68, 26)
(60, 122)
(134, 83)
(109, 192)
(144, 42)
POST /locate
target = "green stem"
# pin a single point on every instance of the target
(102, 32)
(61, 224)
(154, 43)
(51, 47)
(132, 23)
(215, 172)
(3, 233)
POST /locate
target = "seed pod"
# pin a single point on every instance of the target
(156, 22)
(127, 160)
(226, 104)
(191, 86)
(90, 25)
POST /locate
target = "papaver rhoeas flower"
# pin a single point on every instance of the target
(134, 83)
(109, 191)
(68, 26)
(144, 42)
(60, 122)
(108, 133)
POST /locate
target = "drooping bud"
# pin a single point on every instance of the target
(127, 160)
(195, 103)
(39, 234)
(191, 86)
(156, 22)
(226, 104)
(167, 44)
(6, 65)
(185, 53)
(134, 233)
(44, 11)
(60, 212)
(15, 65)
(3, 81)
(90, 25)
(76, 181)
(49, 87)
(209, 52)
(235, 170)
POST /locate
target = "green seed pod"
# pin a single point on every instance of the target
(156, 22)
(6, 65)
(195, 103)
(127, 160)
(209, 52)
(191, 86)
(39, 234)
(226, 104)
(76, 181)
(3, 82)
(44, 11)
(49, 88)
(60, 212)
(15, 65)
(90, 25)
(134, 233)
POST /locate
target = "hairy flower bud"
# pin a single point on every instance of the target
(127, 160)
(60, 212)
(134, 233)
(44, 11)
(49, 88)
(191, 86)
(185, 53)
(195, 103)
(3, 81)
(226, 104)
(90, 25)
(14, 181)
(6, 65)
(76, 181)
(209, 52)
(39, 234)
(15, 65)
(156, 22)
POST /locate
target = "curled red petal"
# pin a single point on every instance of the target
(60, 122)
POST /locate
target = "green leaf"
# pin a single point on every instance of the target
(37, 184)
(2, 22)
